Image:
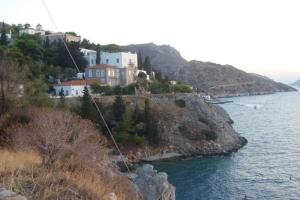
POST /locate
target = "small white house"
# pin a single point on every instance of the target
(31, 31)
(72, 88)
(90, 56)
(27, 31)
(119, 59)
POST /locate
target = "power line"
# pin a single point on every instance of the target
(85, 82)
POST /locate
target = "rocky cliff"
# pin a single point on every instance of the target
(219, 80)
(195, 128)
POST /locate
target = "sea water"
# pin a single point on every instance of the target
(268, 167)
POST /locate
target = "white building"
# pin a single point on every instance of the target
(32, 31)
(27, 31)
(119, 59)
(56, 37)
(73, 88)
(90, 56)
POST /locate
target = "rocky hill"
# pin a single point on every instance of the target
(219, 80)
(296, 83)
(193, 127)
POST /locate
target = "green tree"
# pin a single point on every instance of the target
(118, 108)
(63, 58)
(137, 114)
(36, 93)
(62, 100)
(140, 61)
(147, 65)
(86, 105)
(151, 127)
(30, 46)
(98, 58)
(3, 39)
(126, 126)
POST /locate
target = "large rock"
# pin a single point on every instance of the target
(219, 80)
(152, 185)
(9, 195)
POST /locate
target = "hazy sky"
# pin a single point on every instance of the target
(261, 36)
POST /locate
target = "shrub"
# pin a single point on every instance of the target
(182, 88)
(160, 87)
(138, 140)
(210, 135)
(203, 120)
(180, 103)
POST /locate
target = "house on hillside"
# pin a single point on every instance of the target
(117, 68)
(32, 31)
(110, 75)
(56, 37)
(119, 59)
(73, 88)
(90, 56)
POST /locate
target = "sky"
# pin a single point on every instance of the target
(257, 36)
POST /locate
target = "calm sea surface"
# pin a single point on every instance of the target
(267, 168)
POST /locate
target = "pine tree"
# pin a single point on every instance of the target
(62, 101)
(140, 61)
(150, 125)
(126, 126)
(86, 106)
(3, 39)
(137, 114)
(118, 108)
(147, 65)
(98, 58)
(147, 118)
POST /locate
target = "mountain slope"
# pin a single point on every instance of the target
(219, 80)
(296, 83)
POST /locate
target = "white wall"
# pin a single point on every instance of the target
(71, 91)
(123, 57)
(27, 31)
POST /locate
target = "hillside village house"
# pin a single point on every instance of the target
(56, 37)
(73, 88)
(115, 69)
(31, 31)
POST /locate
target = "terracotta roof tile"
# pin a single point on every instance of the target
(76, 82)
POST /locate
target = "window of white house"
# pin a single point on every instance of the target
(108, 72)
(102, 73)
(90, 73)
(97, 73)
(118, 60)
(107, 61)
(67, 92)
(117, 74)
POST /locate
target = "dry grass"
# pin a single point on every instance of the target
(79, 169)
(12, 160)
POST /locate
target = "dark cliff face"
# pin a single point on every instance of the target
(196, 128)
(219, 80)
